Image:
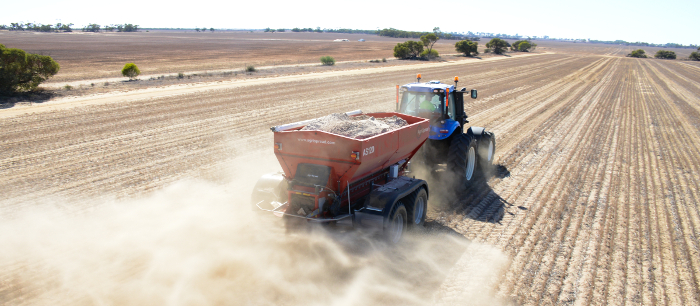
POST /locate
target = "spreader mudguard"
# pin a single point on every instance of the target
(270, 187)
(381, 201)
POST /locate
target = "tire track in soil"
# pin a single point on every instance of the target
(602, 152)
(676, 212)
(529, 122)
(546, 175)
(186, 107)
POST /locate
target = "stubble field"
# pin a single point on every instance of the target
(593, 202)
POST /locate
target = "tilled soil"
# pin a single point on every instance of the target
(594, 199)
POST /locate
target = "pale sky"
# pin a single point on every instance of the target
(639, 20)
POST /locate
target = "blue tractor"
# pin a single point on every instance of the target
(466, 151)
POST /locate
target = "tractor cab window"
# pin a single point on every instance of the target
(451, 106)
(413, 103)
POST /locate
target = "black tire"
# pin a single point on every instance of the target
(487, 150)
(462, 160)
(397, 224)
(417, 208)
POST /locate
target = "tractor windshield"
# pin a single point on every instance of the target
(424, 104)
(414, 103)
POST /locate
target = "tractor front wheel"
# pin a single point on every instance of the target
(462, 160)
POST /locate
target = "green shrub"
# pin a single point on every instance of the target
(180, 75)
(497, 45)
(383, 59)
(22, 71)
(68, 87)
(467, 47)
(694, 56)
(639, 53)
(327, 61)
(250, 68)
(523, 46)
(665, 54)
(131, 71)
(428, 54)
(409, 49)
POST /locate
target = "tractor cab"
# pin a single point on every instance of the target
(441, 103)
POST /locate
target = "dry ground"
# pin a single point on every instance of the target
(594, 201)
(102, 55)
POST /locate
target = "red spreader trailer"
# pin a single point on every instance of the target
(327, 177)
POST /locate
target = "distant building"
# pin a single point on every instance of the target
(342, 40)
(361, 39)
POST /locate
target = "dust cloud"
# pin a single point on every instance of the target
(197, 242)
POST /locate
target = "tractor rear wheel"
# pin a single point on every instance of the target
(462, 160)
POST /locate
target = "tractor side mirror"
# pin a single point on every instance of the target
(473, 93)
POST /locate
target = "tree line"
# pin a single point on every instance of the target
(127, 27)
(423, 49)
(391, 32)
(68, 27)
(641, 44)
(38, 27)
(664, 54)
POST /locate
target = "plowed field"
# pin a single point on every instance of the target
(594, 200)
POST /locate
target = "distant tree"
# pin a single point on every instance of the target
(694, 56)
(318, 30)
(467, 47)
(22, 71)
(280, 30)
(16, 26)
(196, 29)
(429, 41)
(131, 71)
(211, 30)
(110, 28)
(93, 27)
(267, 29)
(65, 27)
(133, 28)
(327, 61)
(639, 53)
(497, 45)
(46, 28)
(665, 54)
(409, 49)
(296, 30)
(523, 46)
(3, 27)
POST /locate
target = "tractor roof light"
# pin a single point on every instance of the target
(456, 79)
(418, 77)
(278, 146)
(355, 155)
